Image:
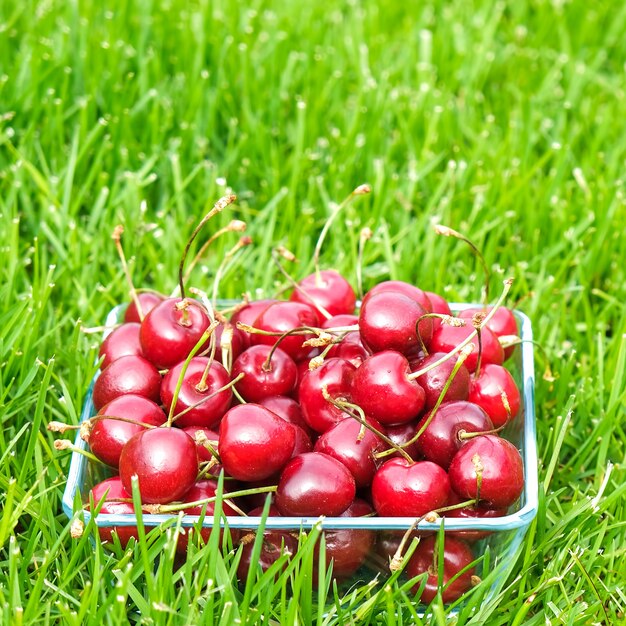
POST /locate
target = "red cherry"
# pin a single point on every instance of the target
(434, 380)
(263, 378)
(170, 331)
(281, 317)
(388, 321)
(351, 347)
(247, 314)
(401, 434)
(108, 436)
(440, 441)
(446, 338)
(113, 492)
(401, 489)
(343, 442)
(314, 484)
(165, 462)
(128, 374)
(487, 389)
(440, 305)
(328, 290)
(121, 341)
(288, 409)
(254, 442)
(334, 375)
(204, 454)
(382, 388)
(490, 468)
(457, 556)
(148, 300)
(239, 341)
(480, 511)
(503, 323)
(413, 292)
(207, 414)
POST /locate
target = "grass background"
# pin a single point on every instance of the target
(503, 120)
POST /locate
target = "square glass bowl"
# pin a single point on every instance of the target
(503, 535)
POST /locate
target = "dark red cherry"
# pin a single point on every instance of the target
(355, 449)
(389, 321)
(488, 388)
(303, 441)
(254, 442)
(281, 317)
(121, 341)
(328, 290)
(108, 436)
(288, 409)
(351, 347)
(347, 549)
(446, 338)
(165, 462)
(503, 323)
(433, 381)
(264, 377)
(114, 495)
(128, 374)
(401, 434)
(170, 331)
(457, 556)
(473, 512)
(382, 388)
(401, 489)
(489, 468)
(204, 453)
(239, 341)
(334, 375)
(314, 484)
(247, 314)
(442, 437)
(411, 291)
(148, 300)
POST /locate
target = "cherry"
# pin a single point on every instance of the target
(303, 441)
(457, 556)
(334, 376)
(389, 321)
(347, 549)
(114, 493)
(487, 390)
(401, 435)
(411, 291)
(503, 323)
(239, 341)
(121, 341)
(314, 484)
(171, 329)
(402, 489)
(128, 374)
(282, 317)
(147, 300)
(490, 469)
(288, 409)
(446, 338)
(198, 385)
(328, 291)
(439, 305)
(165, 462)
(382, 388)
(344, 442)
(434, 380)
(267, 372)
(351, 347)
(248, 313)
(478, 511)
(204, 454)
(108, 436)
(254, 442)
(441, 439)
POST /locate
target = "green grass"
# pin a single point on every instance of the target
(502, 120)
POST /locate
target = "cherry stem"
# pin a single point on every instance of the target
(168, 508)
(202, 386)
(218, 207)
(117, 238)
(235, 226)
(229, 385)
(357, 413)
(460, 360)
(364, 236)
(64, 444)
(478, 469)
(179, 383)
(361, 190)
(449, 232)
(464, 435)
(242, 243)
(295, 284)
(507, 286)
(476, 321)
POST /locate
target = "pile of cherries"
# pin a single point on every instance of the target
(389, 407)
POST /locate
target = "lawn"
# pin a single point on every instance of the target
(505, 121)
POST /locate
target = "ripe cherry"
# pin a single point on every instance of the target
(457, 556)
(402, 489)
(314, 484)
(121, 341)
(489, 469)
(254, 442)
(171, 329)
(128, 374)
(411, 291)
(114, 495)
(147, 300)
(503, 323)
(493, 389)
(288, 409)
(165, 462)
(328, 290)
(434, 380)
